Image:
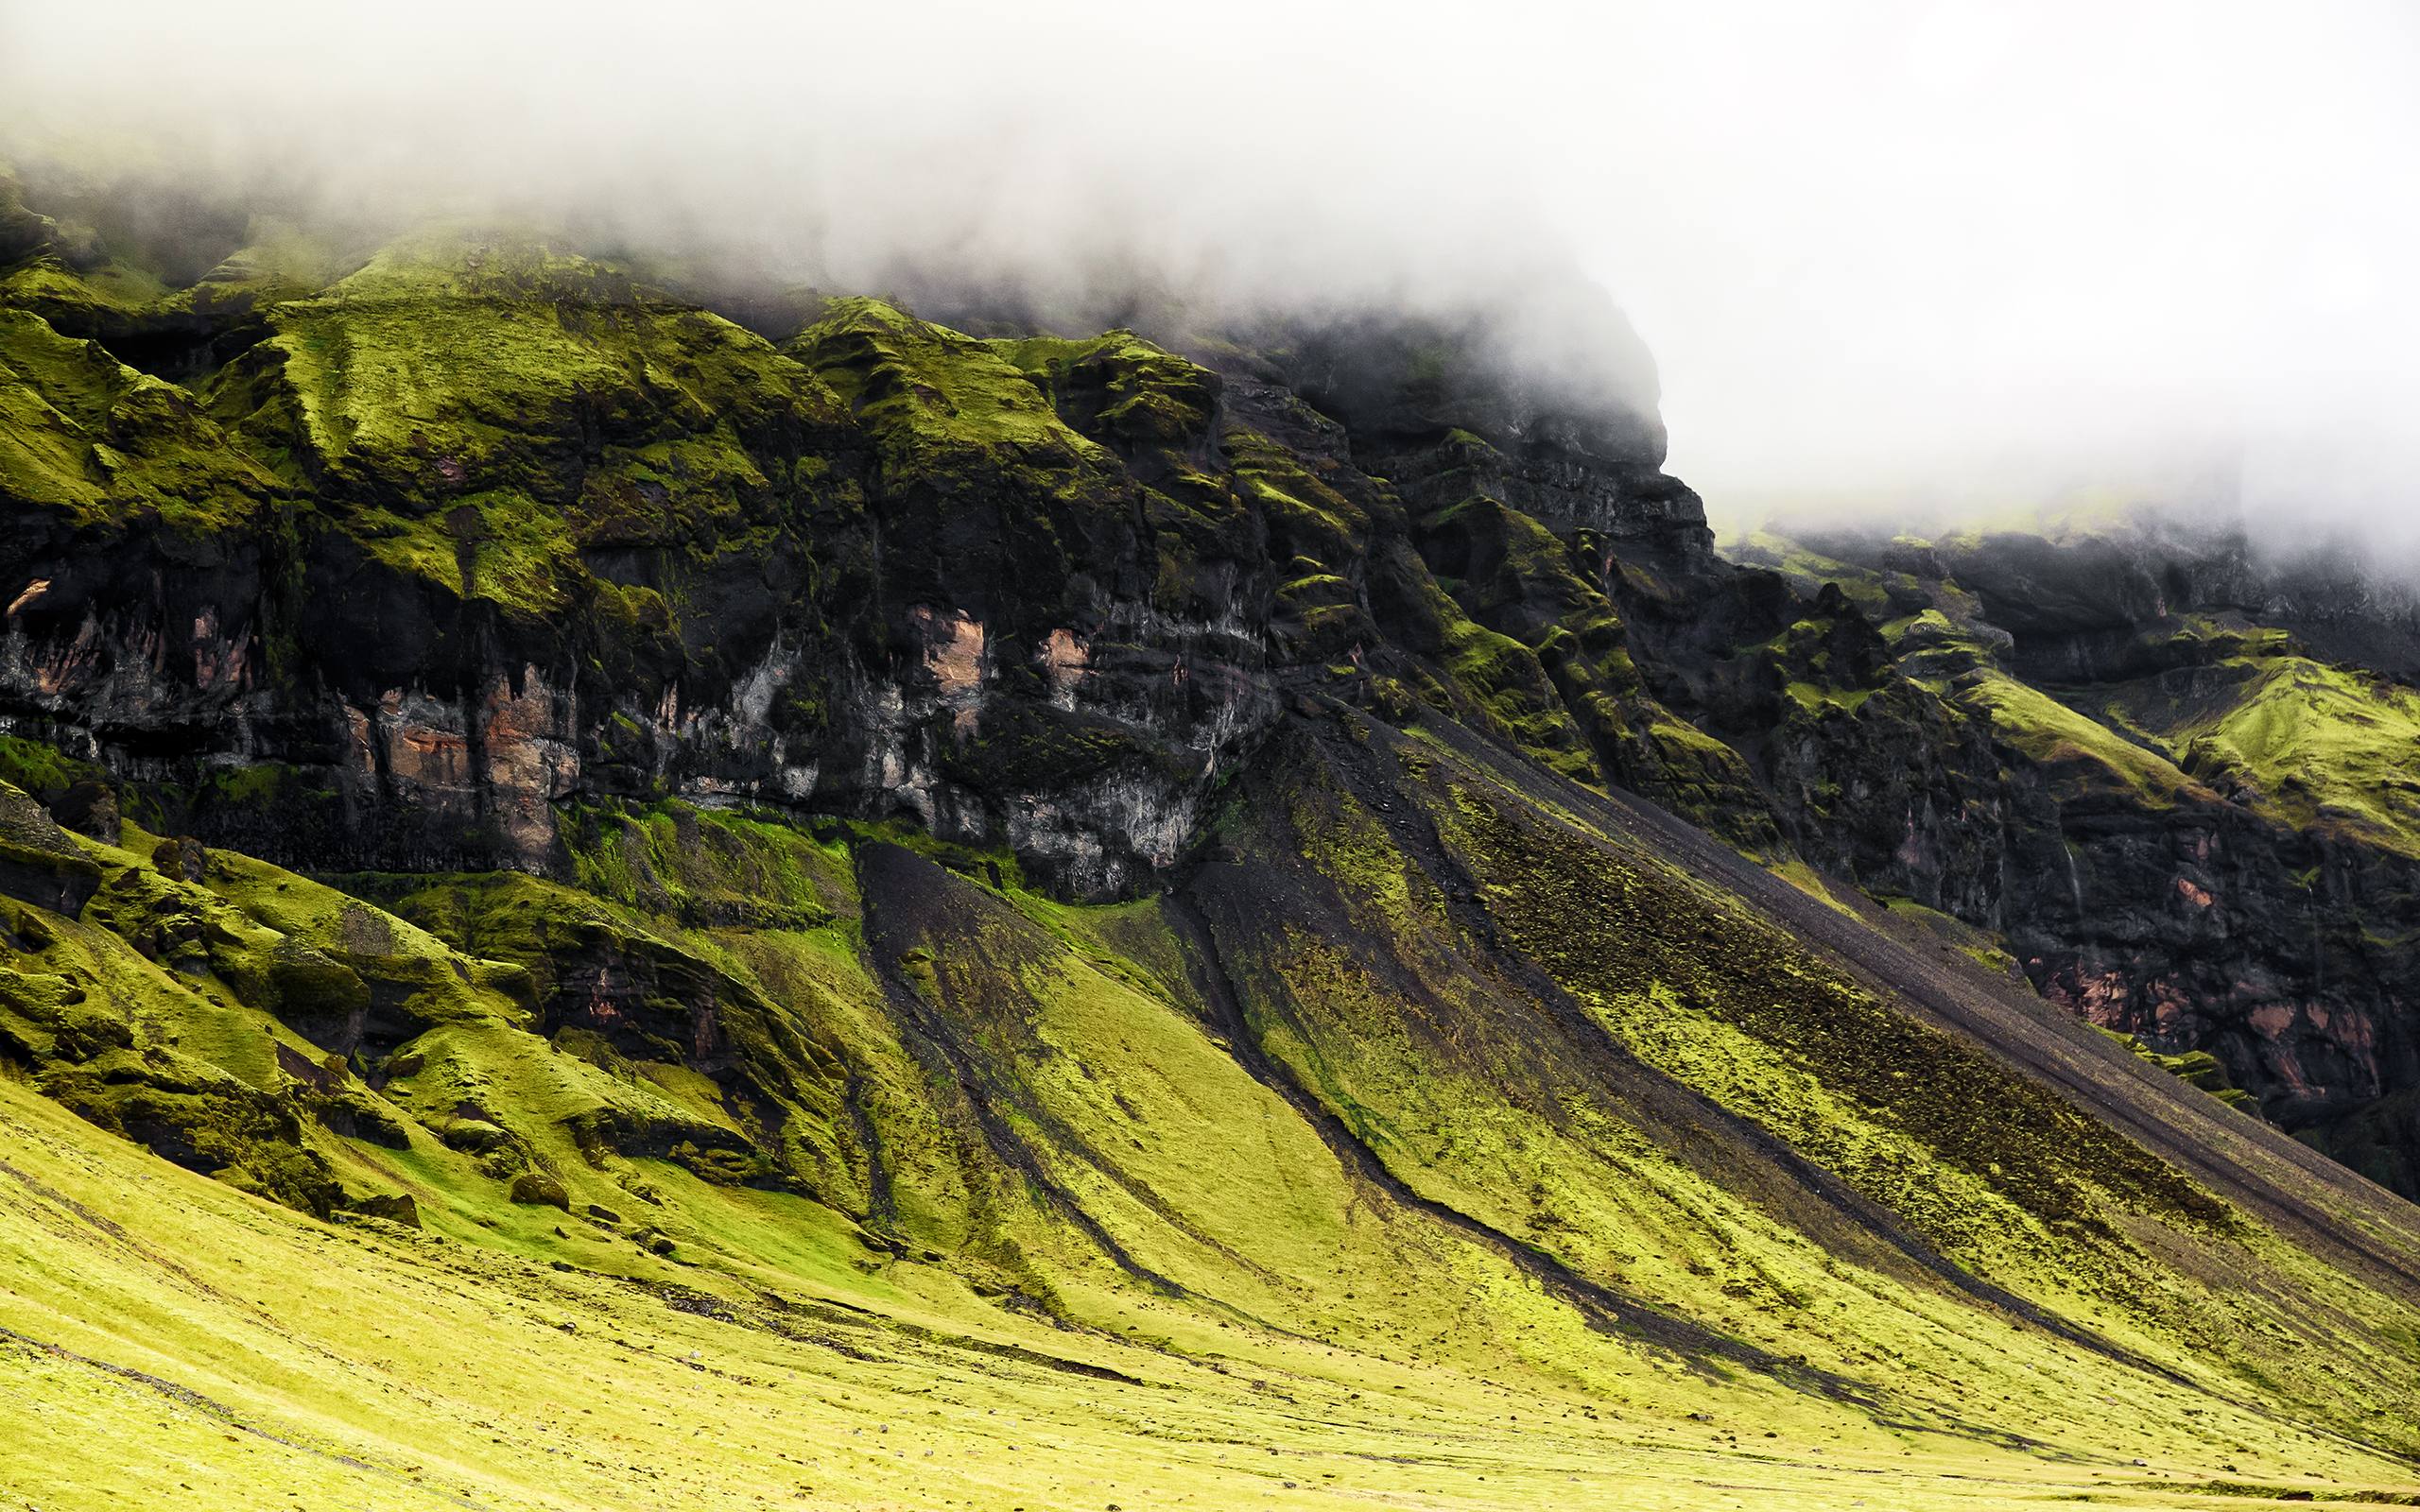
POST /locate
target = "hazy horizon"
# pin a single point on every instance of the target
(1896, 260)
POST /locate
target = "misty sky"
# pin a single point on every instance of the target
(1893, 257)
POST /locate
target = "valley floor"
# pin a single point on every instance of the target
(171, 1342)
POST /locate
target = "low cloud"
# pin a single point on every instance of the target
(1894, 260)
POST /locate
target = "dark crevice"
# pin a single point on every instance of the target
(1605, 1308)
(1417, 838)
(949, 1063)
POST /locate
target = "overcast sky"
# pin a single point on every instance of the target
(1892, 255)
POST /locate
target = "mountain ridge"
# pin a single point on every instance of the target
(1150, 868)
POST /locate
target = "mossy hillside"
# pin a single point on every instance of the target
(60, 265)
(87, 441)
(1948, 1183)
(397, 1374)
(484, 411)
(1223, 1210)
(1873, 772)
(936, 397)
(1759, 987)
(1831, 661)
(2306, 745)
(1809, 569)
(2315, 746)
(1512, 695)
(2229, 709)
(1782, 745)
(1118, 1082)
(619, 465)
(296, 1043)
(1884, 585)
(705, 866)
(462, 431)
(2171, 740)
(979, 483)
(773, 1053)
(1513, 575)
(1935, 664)
(668, 1055)
(2083, 757)
(39, 862)
(1935, 650)
(1122, 384)
(2081, 1241)
(1082, 1137)
(761, 1052)
(174, 330)
(1320, 532)
(157, 1014)
(1162, 414)
(2202, 705)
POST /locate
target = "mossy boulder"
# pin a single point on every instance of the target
(39, 863)
(475, 1135)
(197, 1115)
(44, 1017)
(539, 1190)
(393, 1207)
(315, 991)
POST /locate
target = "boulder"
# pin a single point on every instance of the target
(397, 1208)
(39, 863)
(537, 1188)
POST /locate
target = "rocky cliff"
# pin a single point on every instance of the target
(2195, 819)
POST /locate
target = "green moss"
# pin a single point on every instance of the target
(705, 867)
(491, 407)
(1811, 699)
(1810, 571)
(2028, 1148)
(2317, 746)
(1429, 1139)
(2082, 755)
(2197, 1068)
(42, 769)
(86, 435)
(1309, 520)
(1121, 386)
(1505, 680)
(931, 395)
(819, 1148)
(1594, 719)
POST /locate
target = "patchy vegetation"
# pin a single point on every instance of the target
(1039, 921)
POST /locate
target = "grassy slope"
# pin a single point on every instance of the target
(1185, 1215)
(386, 1370)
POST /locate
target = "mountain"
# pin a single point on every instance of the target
(2205, 831)
(835, 911)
